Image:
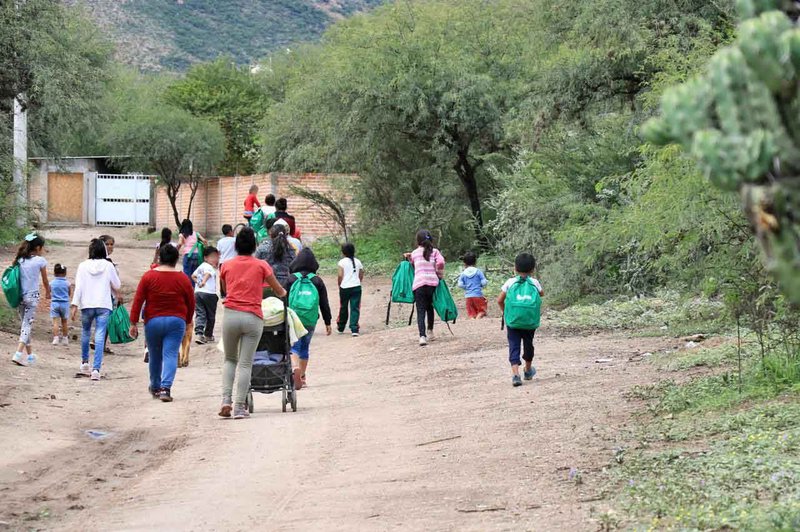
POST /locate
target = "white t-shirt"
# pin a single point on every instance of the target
(268, 209)
(211, 285)
(513, 280)
(227, 248)
(30, 272)
(351, 279)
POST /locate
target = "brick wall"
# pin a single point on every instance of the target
(220, 200)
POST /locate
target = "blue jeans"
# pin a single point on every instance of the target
(517, 337)
(190, 264)
(164, 336)
(302, 347)
(98, 316)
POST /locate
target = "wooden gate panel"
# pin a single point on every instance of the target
(64, 197)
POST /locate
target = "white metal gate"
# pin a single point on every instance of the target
(122, 199)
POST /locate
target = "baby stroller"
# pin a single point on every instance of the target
(272, 366)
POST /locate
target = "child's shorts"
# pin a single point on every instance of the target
(303, 346)
(59, 309)
(475, 306)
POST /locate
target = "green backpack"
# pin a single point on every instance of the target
(198, 249)
(443, 303)
(12, 285)
(523, 305)
(257, 220)
(119, 324)
(402, 287)
(304, 300)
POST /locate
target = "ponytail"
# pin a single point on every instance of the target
(349, 251)
(425, 240)
(26, 248)
(280, 244)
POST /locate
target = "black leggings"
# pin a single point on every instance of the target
(423, 297)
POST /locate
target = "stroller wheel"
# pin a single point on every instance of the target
(294, 401)
(285, 400)
(249, 402)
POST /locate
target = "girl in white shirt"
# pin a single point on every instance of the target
(351, 273)
(32, 267)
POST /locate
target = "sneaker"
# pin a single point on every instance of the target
(423, 341)
(240, 412)
(430, 335)
(225, 410)
(210, 340)
(85, 370)
(65, 340)
(529, 374)
(340, 332)
(56, 340)
(152, 391)
(165, 396)
(107, 350)
(19, 359)
(516, 381)
(95, 375)
(31, 359)
(200, 339)
(146, 356)
(355, 335)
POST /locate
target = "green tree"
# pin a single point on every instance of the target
(232, 96)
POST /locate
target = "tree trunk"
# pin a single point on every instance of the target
(466, 173)
(172, 196)
(193, 186)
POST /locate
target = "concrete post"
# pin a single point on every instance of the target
(20, 159)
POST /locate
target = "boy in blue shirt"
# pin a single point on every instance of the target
(61, 290)
(473, 281)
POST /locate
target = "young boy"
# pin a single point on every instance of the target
(472, 280)
(226, 244)
(307, 297)
(269, 206)
(521, 301)
(61, 289)
(205, 296)
(251, 202)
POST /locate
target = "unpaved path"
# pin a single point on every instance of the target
(388, 436)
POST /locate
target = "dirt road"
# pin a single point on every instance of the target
(388, 435)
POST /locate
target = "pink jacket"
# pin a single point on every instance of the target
(426, 272)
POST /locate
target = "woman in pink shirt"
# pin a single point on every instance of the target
(428, 264)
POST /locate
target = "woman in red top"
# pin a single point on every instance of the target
(242, 280)
(168, 300)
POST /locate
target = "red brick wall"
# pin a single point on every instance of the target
(220, 200)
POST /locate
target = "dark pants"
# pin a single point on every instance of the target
(349, 300)
(423, 297)
(206, 313)
(517, 337)
(190, 264)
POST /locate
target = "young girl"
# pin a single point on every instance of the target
(166, 239)
(251, 203)
(61, 289)
(32, 266)
(351, 274)
(428, 264)
(187, 242)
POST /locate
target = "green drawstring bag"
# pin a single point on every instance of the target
(12, 285)
(402, 283)
(444, 305)
(257, 220)
(119, 325)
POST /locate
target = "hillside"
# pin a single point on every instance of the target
(173, 34)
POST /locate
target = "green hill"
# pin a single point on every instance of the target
(173, 34)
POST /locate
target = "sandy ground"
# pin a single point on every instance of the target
(388, 435)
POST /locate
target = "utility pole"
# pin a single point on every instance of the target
(20, 159)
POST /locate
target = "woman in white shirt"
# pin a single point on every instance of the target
(95, 281)
(351, 273)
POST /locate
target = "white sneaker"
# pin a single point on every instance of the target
(423, 341)
(85, 368)
(95, 375)
(430, 335)
(355, 335)
(65, 340)
(31, 359)
(56, 340)
(19, 360)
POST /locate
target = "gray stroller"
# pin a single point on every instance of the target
(272, 366)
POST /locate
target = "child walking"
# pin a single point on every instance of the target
(351, 274)
(32, 266)
(521, 301)
(307, 297)
(428, 264)
(473, 281)
(61, 290)
(205, 295)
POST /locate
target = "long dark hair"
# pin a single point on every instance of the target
(349, 251)
(245, 241)
(425, 239)
(166, 236)
(27, 247)
(187, 229)
(280, 245)
(97, 249)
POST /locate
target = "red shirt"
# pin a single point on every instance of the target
(244, 279)
(251, 202)
(163, 294)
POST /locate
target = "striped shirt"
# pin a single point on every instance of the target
(425, 270)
